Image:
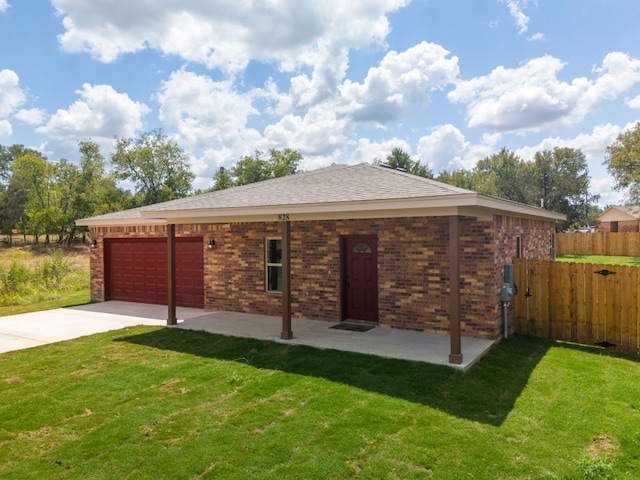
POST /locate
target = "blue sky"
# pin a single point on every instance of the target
(450, 82)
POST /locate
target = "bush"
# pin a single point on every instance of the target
(14, 279)
(46, 279)
(50, 273)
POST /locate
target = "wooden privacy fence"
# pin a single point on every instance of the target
(579, 302)
(599, 243)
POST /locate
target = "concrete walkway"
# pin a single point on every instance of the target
(32, 329)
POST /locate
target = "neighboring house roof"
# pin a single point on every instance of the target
(338, 191)
(620, 213)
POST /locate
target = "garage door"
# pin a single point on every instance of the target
(136, 271)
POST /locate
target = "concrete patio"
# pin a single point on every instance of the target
(38, 328)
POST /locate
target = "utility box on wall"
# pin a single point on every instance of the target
(509, 289)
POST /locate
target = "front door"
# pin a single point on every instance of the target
(360, 274)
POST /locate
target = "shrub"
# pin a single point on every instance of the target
(51, 272)
(15, 278)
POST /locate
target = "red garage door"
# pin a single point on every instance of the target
(136, 270)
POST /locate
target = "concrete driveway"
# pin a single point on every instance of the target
(39, 328)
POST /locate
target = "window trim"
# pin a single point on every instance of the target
(268, 264)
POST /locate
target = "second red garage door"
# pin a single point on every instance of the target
(136, 271)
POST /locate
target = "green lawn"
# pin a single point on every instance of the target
(64, 300)
(158, 403)
(600, 259)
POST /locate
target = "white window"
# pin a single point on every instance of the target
(273, 257)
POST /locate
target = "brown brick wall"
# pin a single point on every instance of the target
(412, 271)
(620, 226)
(629, 226)
(413, 267)
(537, 243)
(606, 227)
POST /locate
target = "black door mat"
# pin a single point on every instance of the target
(353, 327)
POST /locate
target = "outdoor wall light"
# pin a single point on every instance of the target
(212, 243)
(94, 243)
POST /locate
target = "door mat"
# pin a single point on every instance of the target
(353, 327)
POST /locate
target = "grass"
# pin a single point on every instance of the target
(63, 300)
(159, 403)
(34, 278)
(600, 259)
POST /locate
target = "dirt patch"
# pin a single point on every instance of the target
(603, 444)
(14, 380)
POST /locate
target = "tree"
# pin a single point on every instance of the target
(156, 165)
(623, 162)
(8, 155)
(256, 168)
(222, 179)
(283, 162)
(250, 169)
(505, 175)
(460, 178)
(563, 184)
(34, 175)
(556, 179)
(401, 160)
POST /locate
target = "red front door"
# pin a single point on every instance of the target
(360, 273)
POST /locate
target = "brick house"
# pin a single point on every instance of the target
(619, 219)
(359, 242)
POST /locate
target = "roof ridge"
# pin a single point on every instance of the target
(418, 178)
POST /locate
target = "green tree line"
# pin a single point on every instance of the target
(40, 197)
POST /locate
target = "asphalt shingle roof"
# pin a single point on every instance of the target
(331, 186)
(337, 183)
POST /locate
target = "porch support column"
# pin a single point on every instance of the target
(286, 333)
(171, 274)
(455, 356)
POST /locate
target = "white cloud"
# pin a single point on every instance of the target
(207, 114)
(320, 132)
(100, 114)
(4, 5)
(531, 96)
(226, 34)
(593, 144)
(400, 84)
(516, 10)
(446, 148)
(443, 148)
(604, 187)
(11, 95)
(5, 129)
(368, 151)
(536, 37)
(31, 116)
(634, 102)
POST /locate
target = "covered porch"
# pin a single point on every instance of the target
(379, 341)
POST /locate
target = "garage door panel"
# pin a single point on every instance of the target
(136, 271)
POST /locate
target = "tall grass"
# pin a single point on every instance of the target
(36, 275)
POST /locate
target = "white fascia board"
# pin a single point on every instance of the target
(118, 222)
(429, 206)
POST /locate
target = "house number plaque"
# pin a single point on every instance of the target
(283, 217)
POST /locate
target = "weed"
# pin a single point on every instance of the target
(596, 468)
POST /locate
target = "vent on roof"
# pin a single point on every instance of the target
(386, 165)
